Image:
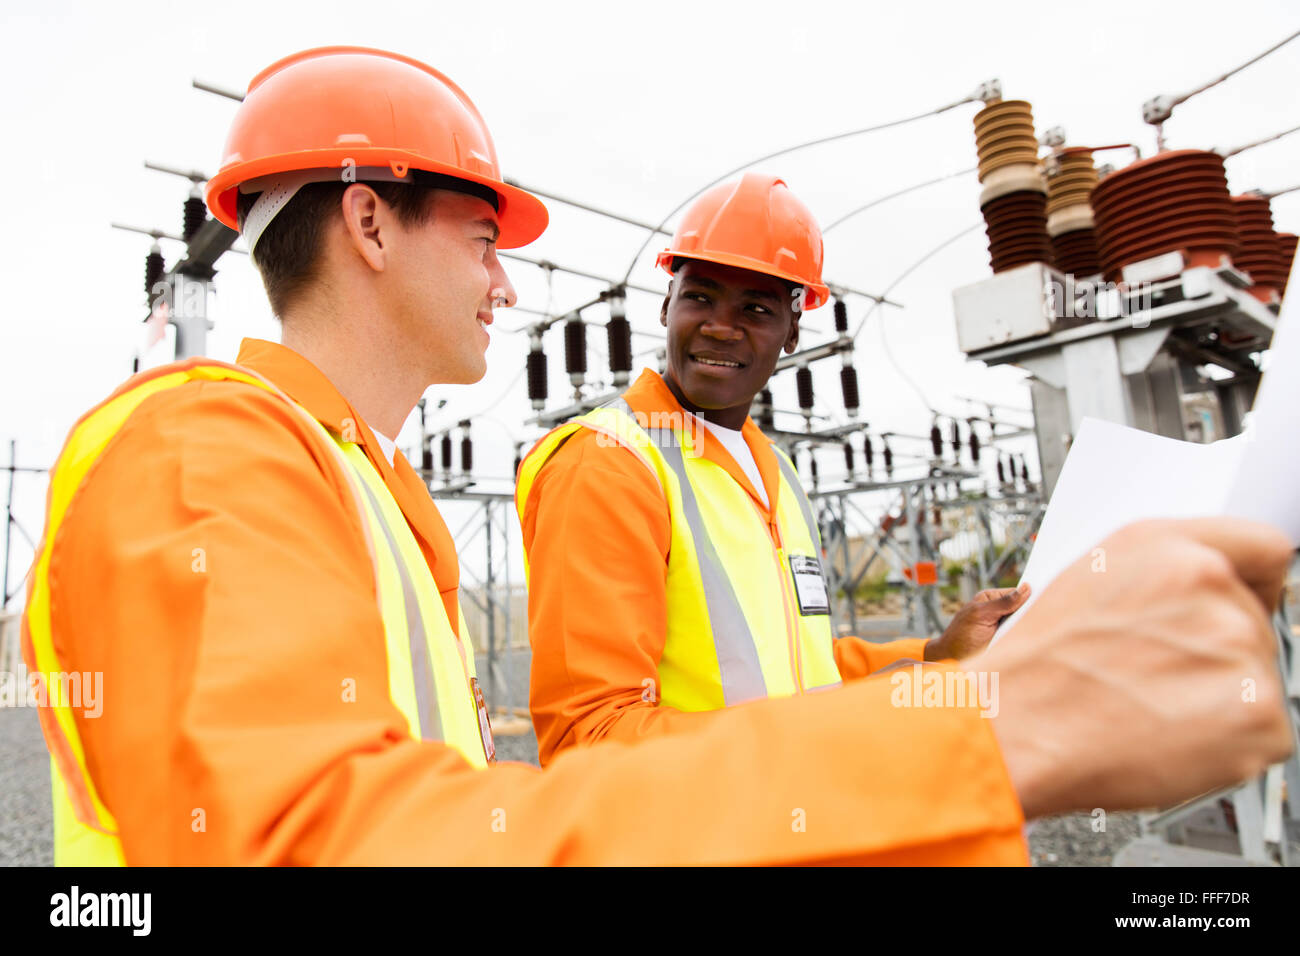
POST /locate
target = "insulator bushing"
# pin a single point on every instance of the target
(426, 457)
(841, 316)
(154, 270)
(466, 454)
(619, 331)
(1260, 255)
(196, 213)
(974, 445)
(812, 466)
(1176, 201)
(889, 459)
(575, 349)
(1002, 475)
(1004, 136)
(956, 440)
(848, 456)
(446, 451)
(936, 441)
(1070, 181)
(1075, 253)
(849, 386)
(1286, 246)
(764, 416)
(537, 377)
(868, 453)
(1016, 224)
(804, 383)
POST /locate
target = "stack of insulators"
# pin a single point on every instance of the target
(1260, 254)
(537, 376)
(575, 350)
(763, 415)
(154, 270)
(1070, 181)
(1286, 246)
(445, 448)
(849, 388)
(804, 384)
(848, 456)
(466, 450)
(841, 316)
(619, 331)
(1014, 200)
(195, 215)
(1173, 202)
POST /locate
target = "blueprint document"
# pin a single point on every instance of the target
(1115, 475)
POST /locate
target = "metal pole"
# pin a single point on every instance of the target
(9, 514)
(489, 593)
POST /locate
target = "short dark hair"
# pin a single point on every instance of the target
(288, 252)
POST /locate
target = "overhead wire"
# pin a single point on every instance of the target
(783, 152)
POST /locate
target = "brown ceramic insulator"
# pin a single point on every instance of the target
(1173, 202)
(1004, 135)
(1017, 230)
(1286, 247)
(1073, 182)
(1259, 255)
(1075, 253)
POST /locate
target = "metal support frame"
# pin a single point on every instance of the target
(859, 525)
(1132, 364)
(492, 594)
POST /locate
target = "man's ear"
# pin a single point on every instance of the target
(363, 215)
(792, 340)
(663, 309)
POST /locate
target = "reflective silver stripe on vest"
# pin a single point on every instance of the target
(792, 479)
(421, 670)
(742, 674)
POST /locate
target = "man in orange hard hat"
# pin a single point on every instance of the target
(272, 597)
(674, 559)
(741, 612)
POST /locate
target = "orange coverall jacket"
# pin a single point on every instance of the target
(597, 633)
(221, 689)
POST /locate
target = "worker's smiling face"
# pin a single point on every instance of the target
(447, 270)
(726, 329)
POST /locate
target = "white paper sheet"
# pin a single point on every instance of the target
(1115, 475)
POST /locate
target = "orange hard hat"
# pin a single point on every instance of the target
(338, 112)
(754, 223)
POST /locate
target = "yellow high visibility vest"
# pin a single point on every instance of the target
(430, 673)
(748, 613)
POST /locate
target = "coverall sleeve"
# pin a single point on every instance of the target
(596, 530)
(215, 573)
(857, 658)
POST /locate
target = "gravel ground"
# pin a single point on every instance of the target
(25, 838)
(1071, 840)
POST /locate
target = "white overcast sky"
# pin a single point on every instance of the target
(626, 106)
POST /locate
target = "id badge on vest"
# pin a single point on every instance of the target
(809, 585)
(484, 725)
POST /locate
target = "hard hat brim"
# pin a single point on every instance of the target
(522, 216)
(815, 294)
